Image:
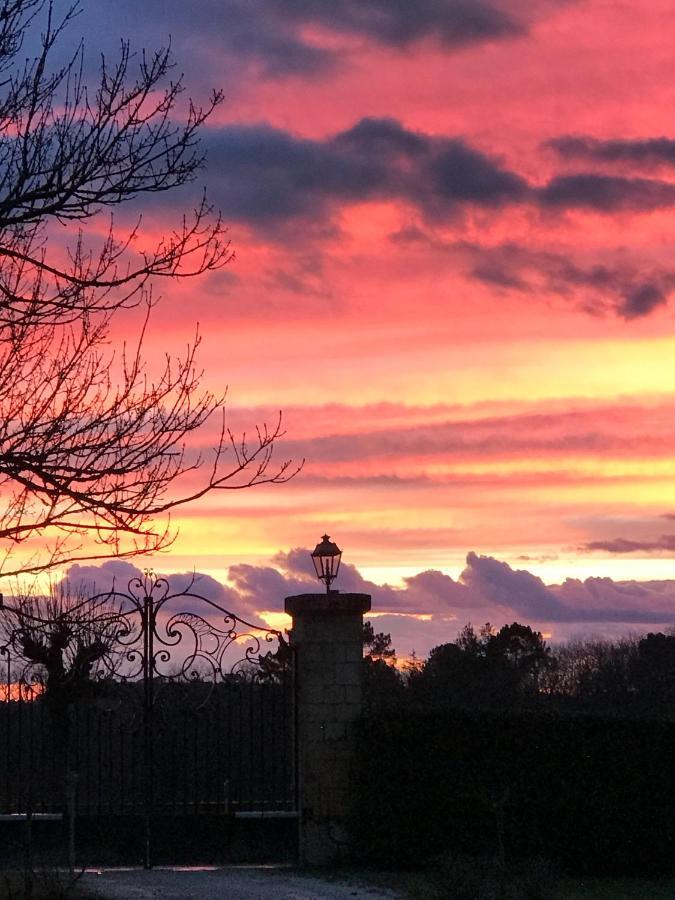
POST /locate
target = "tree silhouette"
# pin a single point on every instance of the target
(382, 682)
(487, 669)
(377, 645)
(519, 647)
(60, 639)
(95, 449)
(652, 676)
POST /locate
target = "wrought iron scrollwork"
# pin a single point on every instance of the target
(154, 641)
(150, 640)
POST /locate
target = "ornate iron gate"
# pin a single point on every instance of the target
(183, 709)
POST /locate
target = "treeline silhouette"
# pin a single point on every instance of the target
(498, 744)
(514, 668)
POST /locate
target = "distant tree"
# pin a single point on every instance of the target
(377, 645)
(606, 686)
(469, 642)
(94, 447)
(593, 676)
(382, 682)
(653, 674)
(519, 647)
(485, 669)
(629, 676)
(572, 660)
(59, 640)
(452, 675)
(383, 685)
(412, 667)
(444, 659)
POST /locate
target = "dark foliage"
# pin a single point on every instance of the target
(377, 645)
(383, 684)
(594, 795)
(484, 670)
(514, 668)
(498, 745)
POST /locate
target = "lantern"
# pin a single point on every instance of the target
(326, 558)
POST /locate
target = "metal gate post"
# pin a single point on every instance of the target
(148, 627)
(327, 638)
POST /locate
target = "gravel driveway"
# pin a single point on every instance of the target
(231, 883)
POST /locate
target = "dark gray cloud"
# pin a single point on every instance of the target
(430, 592)
(644, 152)
(287, 186)
(395, 23)
(216, 42)
(460, 173)
(606, 193)
(625, 288)
(516, 589)
(270, 38)
(123, 578)
(264, 176)
(666, 542)
(270, 178)
(109, 576)
(267, 177)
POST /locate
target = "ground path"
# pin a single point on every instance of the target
(229, 883)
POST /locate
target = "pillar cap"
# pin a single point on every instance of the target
(333, 604)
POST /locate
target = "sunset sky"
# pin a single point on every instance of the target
(454, 226)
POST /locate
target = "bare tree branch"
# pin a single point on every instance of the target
(62, 637)
(95, 451)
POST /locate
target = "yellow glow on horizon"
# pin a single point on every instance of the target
(420, 617)
(278, 621)
(619, 568)
(489, 370)
(547, 369)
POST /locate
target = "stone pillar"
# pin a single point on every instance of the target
(327, 637)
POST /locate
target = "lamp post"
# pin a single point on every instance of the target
(326, 558)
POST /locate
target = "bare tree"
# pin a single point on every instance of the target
(59, 639)
(94, 449)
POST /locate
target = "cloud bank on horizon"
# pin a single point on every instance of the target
(429, 607)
